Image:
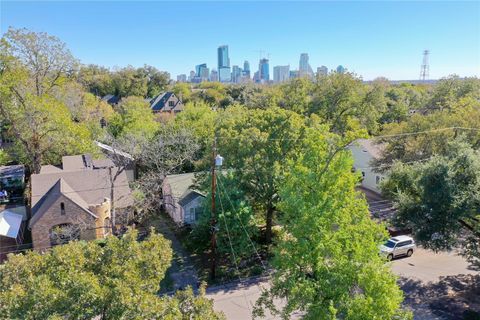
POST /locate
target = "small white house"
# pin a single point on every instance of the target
(182, 203)
(364, 151)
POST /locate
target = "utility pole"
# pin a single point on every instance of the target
(213, 220)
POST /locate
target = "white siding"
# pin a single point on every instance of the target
(362, 164)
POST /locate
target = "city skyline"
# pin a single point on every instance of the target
(370, 39)
(235, 74)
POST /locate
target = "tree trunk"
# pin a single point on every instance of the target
(37, 162)
(268, 231)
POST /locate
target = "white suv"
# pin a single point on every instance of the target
(398, 246)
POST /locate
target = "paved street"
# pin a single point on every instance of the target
(237, 300)
(426, 266)
(436, 287)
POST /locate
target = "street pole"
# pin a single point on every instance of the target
(213, 220)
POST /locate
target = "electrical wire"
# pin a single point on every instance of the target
(403, 134)
(243, 226)
(233, 251)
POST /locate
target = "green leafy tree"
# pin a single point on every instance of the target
(327, 263)
(440, 198)
(338, 98)
(4, 158)
(256, 143)
(32, 67)
(448, 91)
(212, 93)
(84, 107)
(182, 91)
(464, 114)
(116, 280)
(297, 95)
(129, 81)
(133, 117)
(261, 97)
(47, 59)
(200, 119)
(236, 228)
(96, 79)
(157, 81)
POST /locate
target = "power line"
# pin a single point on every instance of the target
(392, 164)
(373, 137)
(233, 251)
(220, 183)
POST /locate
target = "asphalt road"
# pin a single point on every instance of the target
(237, 301)
(427, 266)
(438, 286)
(419, 276)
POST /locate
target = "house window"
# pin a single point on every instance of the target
(377, 179)
(192, 215)
(64, 233)
(171, 103)
(62, 208)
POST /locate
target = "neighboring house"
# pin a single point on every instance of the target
(364, 151)
(180, 200)
(74, 201)
(12, 180)
(12, 227)
(166, 102)
(111, 99)
(119, 158)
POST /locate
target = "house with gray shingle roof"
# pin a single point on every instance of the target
(181, 200)
(79, 193)
(166, 102)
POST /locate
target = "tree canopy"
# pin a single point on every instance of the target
(439, 199)
(117, 279)
(327, 263)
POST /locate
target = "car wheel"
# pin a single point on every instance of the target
(409, 253)
(390, 257)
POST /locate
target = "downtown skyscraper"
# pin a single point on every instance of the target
(263, 71)
(224, 73)
(281, 73)
(304, 68)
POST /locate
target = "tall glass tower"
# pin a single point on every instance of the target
(304, 68)
(223, 64)
(264, 70)
(246, 69)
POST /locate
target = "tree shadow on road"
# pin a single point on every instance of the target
(452, 297)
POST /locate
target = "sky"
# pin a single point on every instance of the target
(371, 38)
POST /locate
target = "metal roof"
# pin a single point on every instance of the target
(10, 223)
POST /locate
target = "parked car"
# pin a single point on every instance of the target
(398, 246)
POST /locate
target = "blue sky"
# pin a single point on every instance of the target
(370, 38)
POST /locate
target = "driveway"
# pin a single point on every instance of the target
(182, 272)
(438, 286)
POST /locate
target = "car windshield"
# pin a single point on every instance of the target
(390, 244)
